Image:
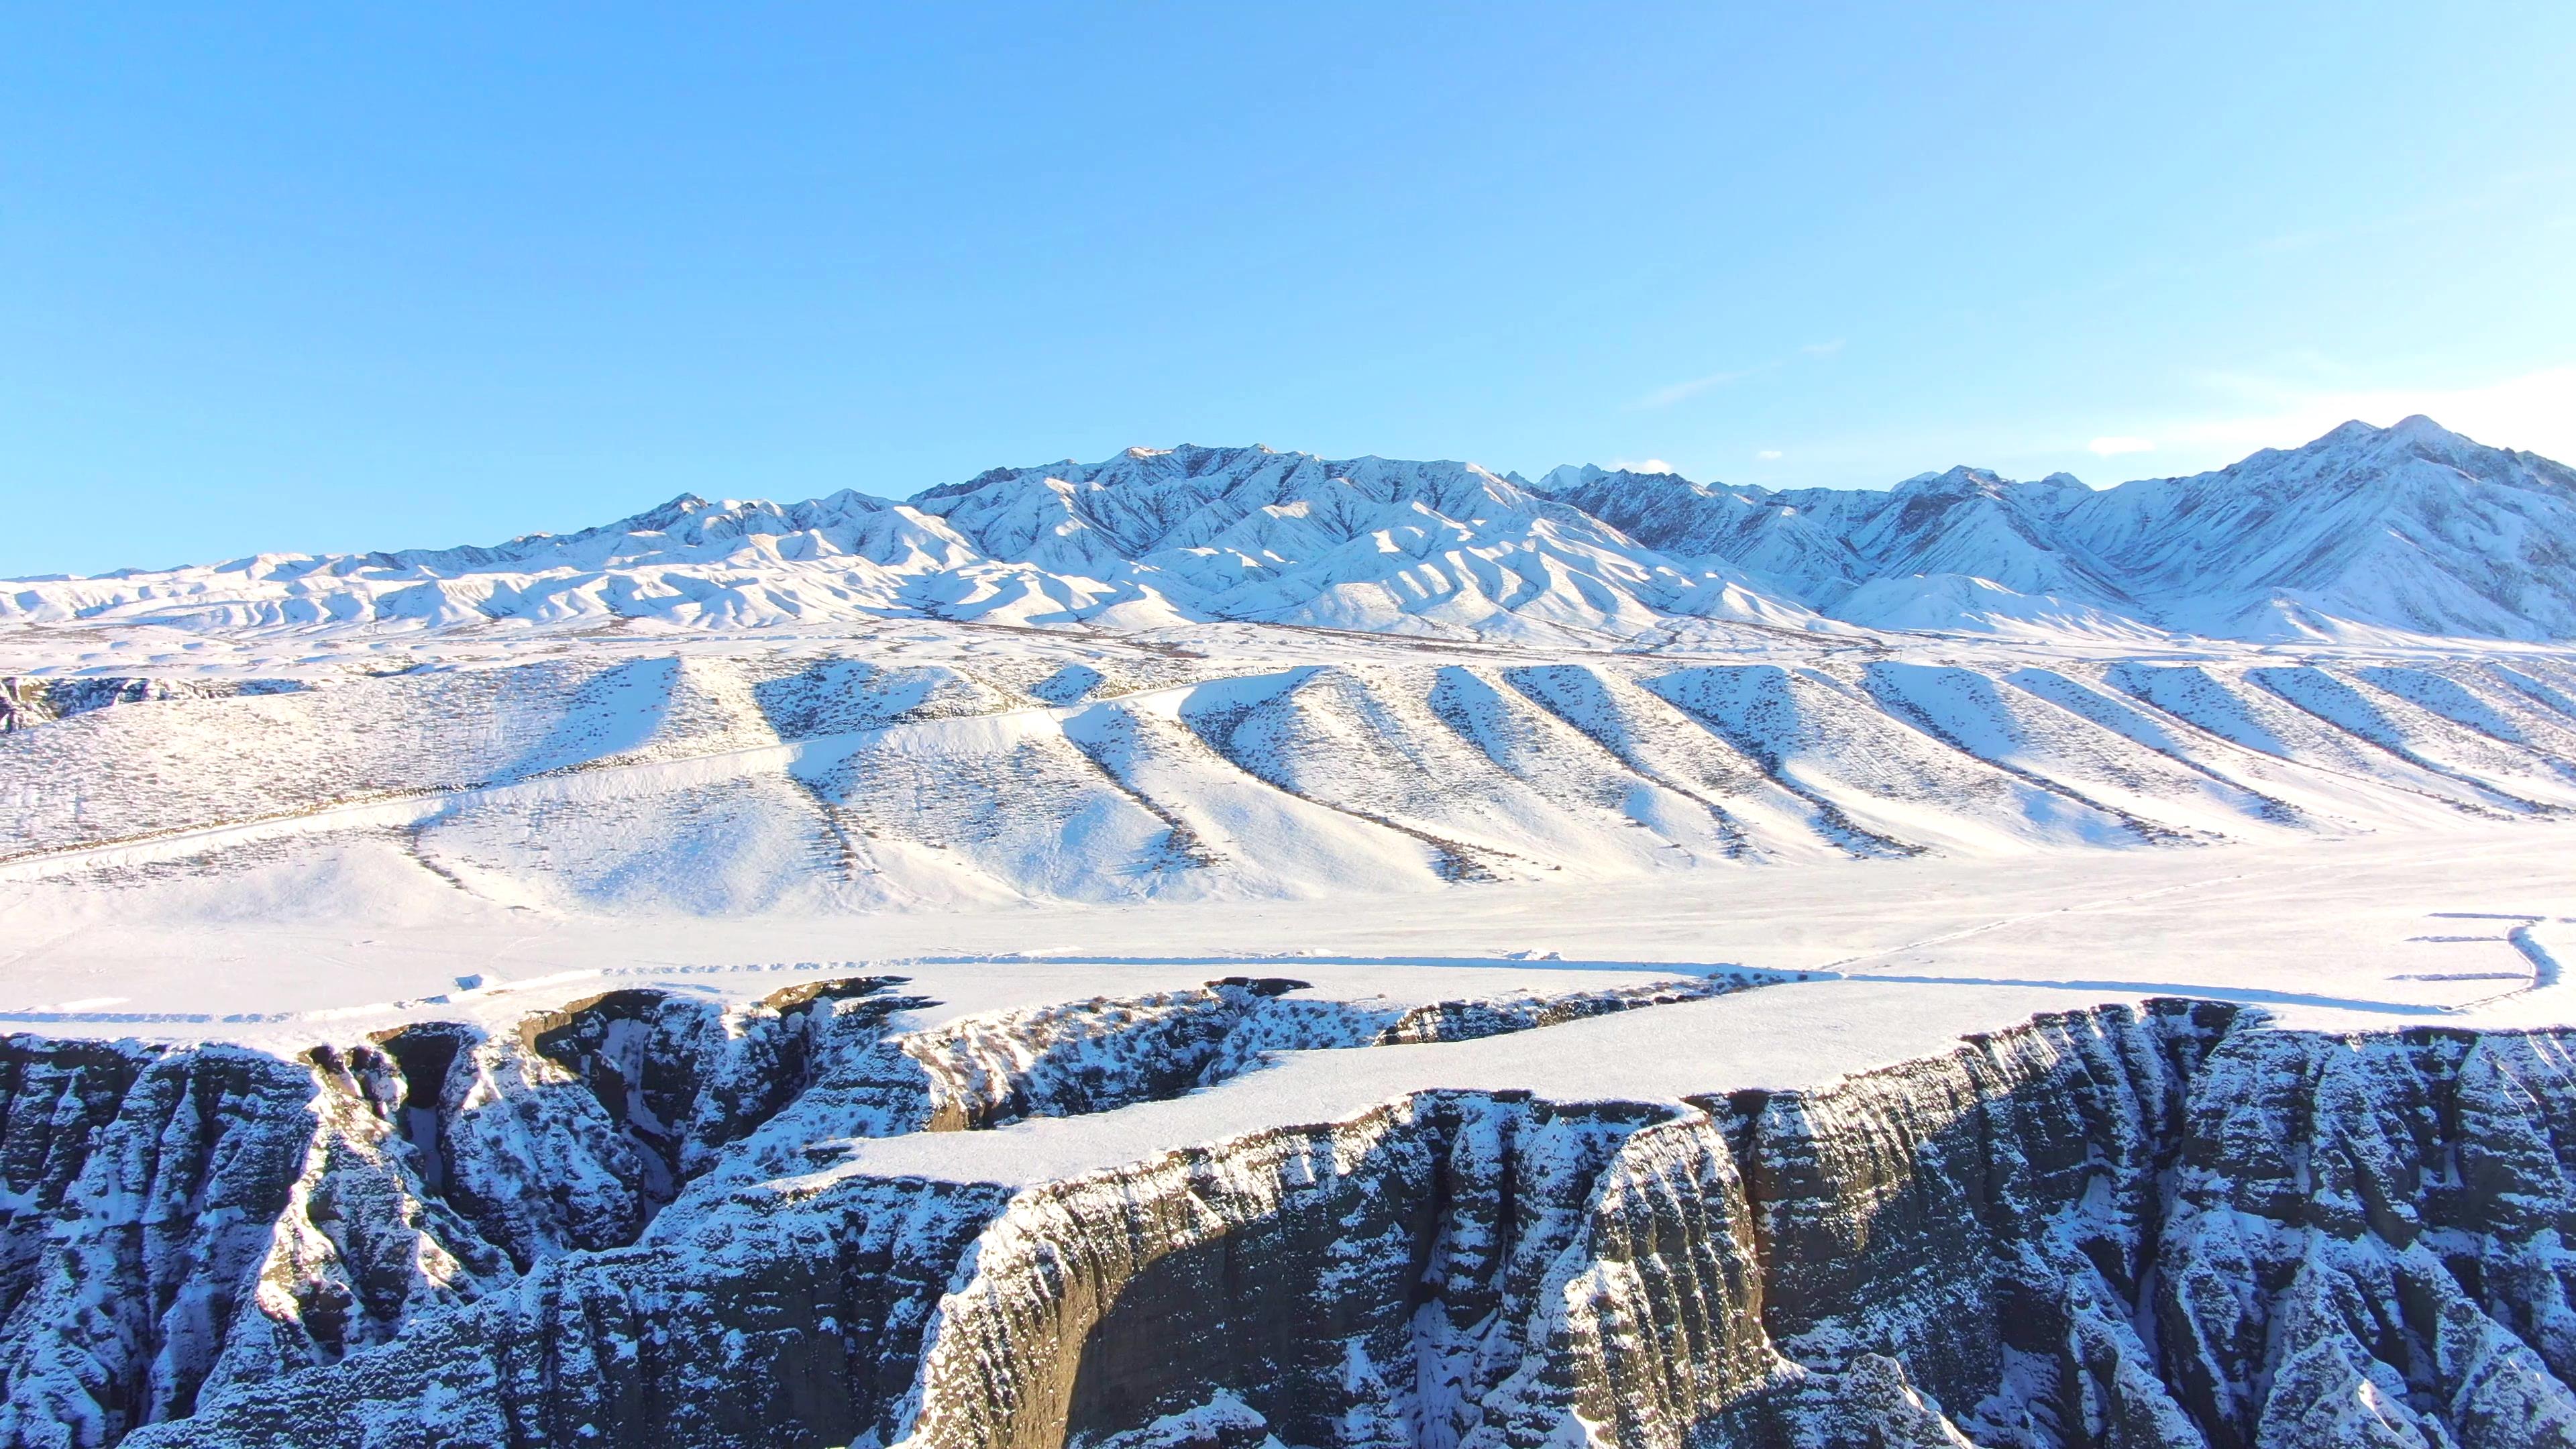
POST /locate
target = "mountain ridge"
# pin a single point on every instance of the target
(2410, 530)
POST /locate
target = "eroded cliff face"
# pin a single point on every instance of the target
(1425, 1274)
(2369, 1245)
(142, 1190)
(2175, 1226)
(1498, 1271)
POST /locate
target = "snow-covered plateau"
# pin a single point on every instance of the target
(1224, 949)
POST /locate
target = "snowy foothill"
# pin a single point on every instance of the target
(616, 978)
(2299, 734)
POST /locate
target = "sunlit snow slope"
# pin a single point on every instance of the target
(1752, 968)
(2365, 533)
(819, 780)
(1243, 674)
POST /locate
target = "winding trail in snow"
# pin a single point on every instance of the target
(2544, 966)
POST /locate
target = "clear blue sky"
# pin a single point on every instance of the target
(390, 275)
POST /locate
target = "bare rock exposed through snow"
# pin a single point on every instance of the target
(2176, 1225)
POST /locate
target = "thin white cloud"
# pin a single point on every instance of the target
(1643, 465)
(2114, 447)
(1664, 397)
(1769, 455)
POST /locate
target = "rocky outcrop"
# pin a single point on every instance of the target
(180, 1221)
(184, 1221)
(2113, 1229)
(1108, 1052)
(1399, 1278)
(27, 701)
(792, 1317)
(2368, 1245)
(1774, 1268)
(143, 1185)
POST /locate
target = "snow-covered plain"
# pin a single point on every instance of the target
(1085, 860)
(2357, 934)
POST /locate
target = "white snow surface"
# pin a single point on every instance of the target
(2300, 734)
(2365, 533)
(1875, 962)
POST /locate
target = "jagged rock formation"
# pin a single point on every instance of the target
(184, 1220)
(2176, 1227)
(32, 700)
(142, 1185)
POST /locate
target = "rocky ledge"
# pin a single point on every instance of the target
(639, 1220)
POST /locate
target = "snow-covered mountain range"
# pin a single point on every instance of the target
(2366, 533)
(2409, 529)
(1294, 952)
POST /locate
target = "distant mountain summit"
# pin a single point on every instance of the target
(1372, 544)
(2412, 528)
(2409, 530)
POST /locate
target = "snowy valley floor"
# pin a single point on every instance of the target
(2467, 927)
(1893, 1152)
(940, 977)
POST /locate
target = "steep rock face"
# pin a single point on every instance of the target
(2176, 1227)
(1499, 1271)
(787, 1316)
(2368, 1244)
(181, 1221)
(1985, 1220)
(142, 1188)
(1409, 1277)
(1968, 1231)
(366, 1238)
(190, 1221)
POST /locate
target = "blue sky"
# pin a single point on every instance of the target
(366, 276)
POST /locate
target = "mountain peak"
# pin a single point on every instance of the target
(2415, 430)
(1567, 477)
(656, 519)
(2410, 528)
(1959, 480)
(2423, 435)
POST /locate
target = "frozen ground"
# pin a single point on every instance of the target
(651, 937)
(2466, 926)
(2300, 734)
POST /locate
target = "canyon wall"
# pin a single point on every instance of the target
(635, 1222)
